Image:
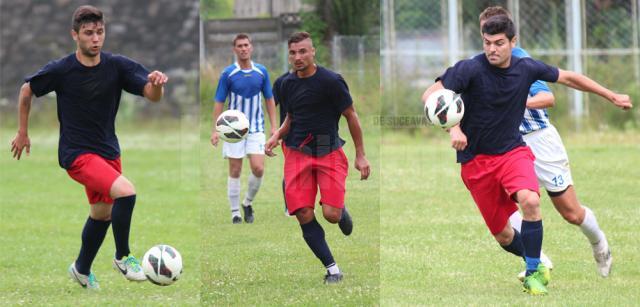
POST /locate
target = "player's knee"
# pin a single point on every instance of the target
(332, 216)
(530, 200)
(258, 171)
(122, 187)
(572, 217)
(304, 215)
(504, 237)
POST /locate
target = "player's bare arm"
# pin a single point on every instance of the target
(277, 135)
(217, 110)
(584, 83)
(436, 86)
(541, 100)
(22, 141)
(361, 163)
(271, 111)
(154, 88)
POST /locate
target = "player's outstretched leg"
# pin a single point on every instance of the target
(599, 243)
(516, 221)
(314, 236)
(124, 200)
(567, 204)
(93, 235)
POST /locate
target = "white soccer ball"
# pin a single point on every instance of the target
(444, 108)
(232, 126)
(162, 264)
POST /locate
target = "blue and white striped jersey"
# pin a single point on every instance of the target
(534, 119)
(243, 88)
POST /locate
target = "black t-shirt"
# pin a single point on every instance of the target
(276, 92)
(88, 100)
(494, 100)
(315, 104)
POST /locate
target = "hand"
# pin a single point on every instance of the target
(458, 138)
(20, 142)
(157, 78)
(272, 143)
(214, 138)
(362, 164)
(622, 101)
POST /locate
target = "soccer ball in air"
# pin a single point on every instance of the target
(162, 264)
(232, 126)
(444, 108)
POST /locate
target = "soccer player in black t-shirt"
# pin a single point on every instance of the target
(497, 166)
(315, 98)
(88, 84)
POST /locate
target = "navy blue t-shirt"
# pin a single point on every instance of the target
(276, 92)
(88, 100)
(494, 100)
(315, 104)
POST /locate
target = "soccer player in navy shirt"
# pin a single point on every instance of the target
(88, 84)
(497, 166)
(552, 165)
(242, 83)
(315, 98)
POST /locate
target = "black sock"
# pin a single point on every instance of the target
(313, 234)
(121, 220)
(532, 240)
(93, 234)
(516, 246)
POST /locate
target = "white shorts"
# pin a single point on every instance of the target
(252, 145)
(552, 162)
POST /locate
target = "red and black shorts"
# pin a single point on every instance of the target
(304, 174)
(493, 181)
(97, 174)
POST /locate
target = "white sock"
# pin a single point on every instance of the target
(333, 269)
(516, 220)
(590, 227)
(252, 190)
(233, 191)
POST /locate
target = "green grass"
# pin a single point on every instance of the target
(436, 250)
(43, 212)
(268, 262)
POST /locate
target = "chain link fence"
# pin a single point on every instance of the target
(599, 38)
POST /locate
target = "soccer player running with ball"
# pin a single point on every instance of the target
(552, 164)
(88, 84)
(315, 98)
(497, 166)
(242, 82)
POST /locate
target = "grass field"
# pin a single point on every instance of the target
(43, 212)
(436, 250)
(268, 262)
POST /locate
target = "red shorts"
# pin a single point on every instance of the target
(97, 174)
(494, 179)
(303, 174)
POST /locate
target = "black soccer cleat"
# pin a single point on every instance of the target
(345, 223)
(332, 278)
(248, 214)
(236, 220)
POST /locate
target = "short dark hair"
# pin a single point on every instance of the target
(499, 24)
(494, 11)
(298, 37)
(241, 36)
(86, 14)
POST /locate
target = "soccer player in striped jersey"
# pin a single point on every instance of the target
(552, 164)
(242, 83)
